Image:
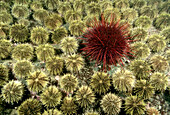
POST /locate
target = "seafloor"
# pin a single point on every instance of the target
(84, 57)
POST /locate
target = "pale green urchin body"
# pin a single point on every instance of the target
(159, 63)
(148, 11)
(144, 89)
(141, 50)
(72, 15)
(68, 83)
(166, 33)
(39, 35)
(4, 7)
(129, 14)
(85, 96)
(58, 34)
(162, 21)
(100, 82)
(69, 107)
(12, 91)
(44, 52)
(79, 5)
(40, 15)
(140, 69)
(140, 34)
(69, 45)
(156, 43)
(123, 80)
(19, 33)
(109, 13)
(111, 104)
(22, 2)
(22, 51)
(51, 4)
(52, 112)
(3, 74)
(20, 11)
(77, 27)
(5, 18)
(51, 96)
(22, 68)
(53, 21)
(143, 21)
(64, 7)
(105, 4)
(24, 22)
(74, 63)
(36, 5)
(30, 107)
(5, 48)
(159, 81)
(55, 65)
(37, 81)
(134, 105)
(93, 9)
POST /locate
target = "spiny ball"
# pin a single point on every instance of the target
(5, 48)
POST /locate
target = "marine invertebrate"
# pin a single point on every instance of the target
(148, 11)
(166, 34)
(79, 5)
(39, 35)
(30, 107)
(24, 22)
(44, 51)
(64, 7)
(156, 43)
(162, 21)
(123, 80)
(23, 2)
(140, 49)
(55, 65)
(91, 113)
(85, 96)
(88, 19)
(22, 68)
(51, 96)
(12, 91)
(5, 18)
(5, 48)
(69, 45)
(167, 55)
(58, 34)
(19, 33)
(129, 14)
(4, 30)
(140, 69)
(111, 104)
(152, 111)
(36, 5)
(164, 7)
(68, 106)
(159, 63)
(52, 112)
(74, 63)
(121, 4)
(68, 82)
(138, 3)
(3, 74)
(40, 15)
(51, 4)
(105, 4)
(77, 27)
(141, 34)
(89, 1)
(37, 81)
(20, 11)
(159, 81)
(53, 21)
(93, 9)
(72, 15)
(106, 42)
(100, 82)
(4, 7)
(144, 89)
(143, 21)
(22, 51)
(134, 105)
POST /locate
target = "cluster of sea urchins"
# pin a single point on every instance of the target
(107, 42)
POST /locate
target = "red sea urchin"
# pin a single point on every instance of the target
(107, 42)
